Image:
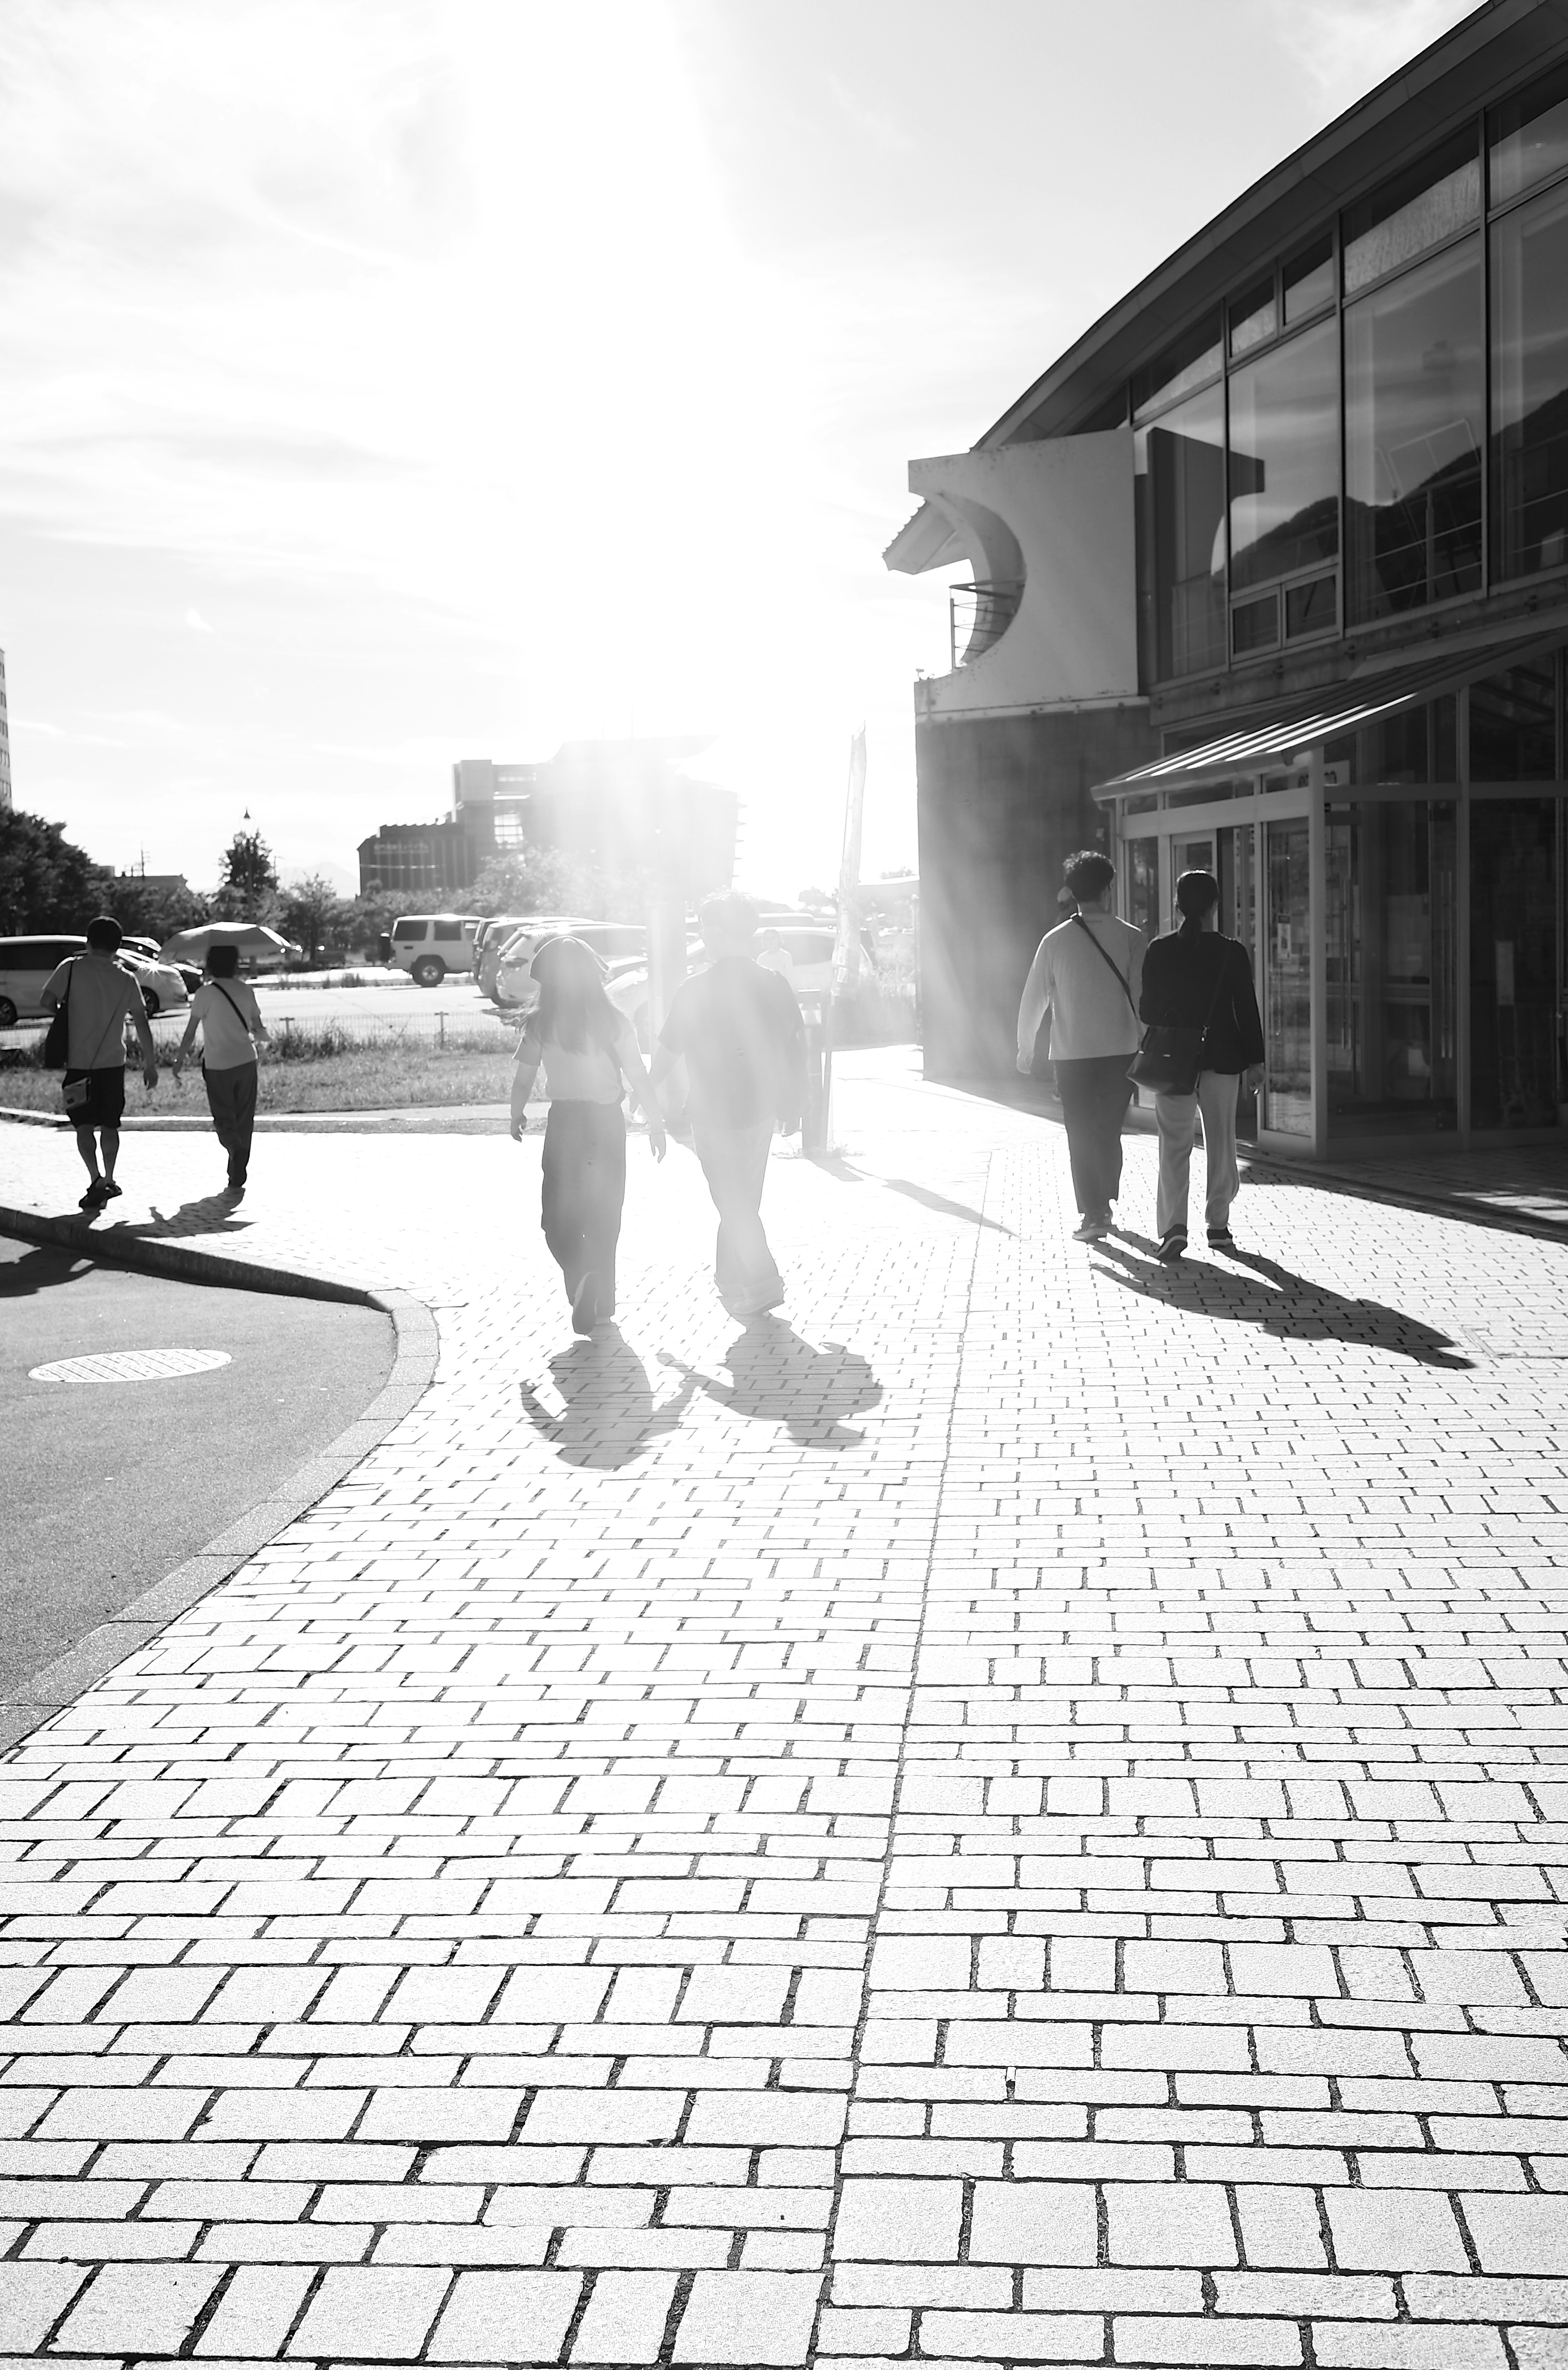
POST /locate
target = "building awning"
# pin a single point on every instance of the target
(927, 540)
(1306, 722)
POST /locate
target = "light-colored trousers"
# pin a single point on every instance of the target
(1176, 1116)
(734, 1161)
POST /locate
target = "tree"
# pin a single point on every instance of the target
(313, 911)
(248, 890)
(154, 912)
(45, 882)
(526, 880)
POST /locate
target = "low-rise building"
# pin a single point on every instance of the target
(1269, 574)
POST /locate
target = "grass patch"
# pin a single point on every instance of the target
(366, 1077)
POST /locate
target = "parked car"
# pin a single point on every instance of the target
(800, 952)
(611, 941)
(163, 988)
(496, 933)
(25, 965)
(430, 945)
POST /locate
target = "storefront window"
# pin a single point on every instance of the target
(1285, 459)
(1181, 462)
(1390, 967)
(1529, 387)
(1413, 437)
(1142, 885)
(1514, 1051)
(1287, 983)
(1410, 744)
(1513, 725)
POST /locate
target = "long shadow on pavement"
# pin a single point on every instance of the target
(610, 1415)
(778, 1378)
(1251, 1290)
(37, 1270)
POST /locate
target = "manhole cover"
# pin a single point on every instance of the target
(129, 1366)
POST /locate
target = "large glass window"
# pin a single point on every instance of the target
(1529, 387)
(1420, 207)
(1414, 436)
(1287, 982)
(1530, 137)
(1391, 958)
(1512, 981)
(1285, 459)
(1513, 725)
(1181, 462)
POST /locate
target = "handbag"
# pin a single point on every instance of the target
(1168, 1060)
(56, 1051)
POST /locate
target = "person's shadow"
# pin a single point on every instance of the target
(776, 1377)
(213, 1213)
(1251, 1290)
(40, 1268)
(610, 1418)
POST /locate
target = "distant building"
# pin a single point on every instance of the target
(5, 743)
(156, 884)
(620, 803)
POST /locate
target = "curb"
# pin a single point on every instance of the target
(1402, 1197)
(415, 1342)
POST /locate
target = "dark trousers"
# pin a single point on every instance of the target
(734, 1161)
(585, 1191)
(231, 1098)
(1094, 1095)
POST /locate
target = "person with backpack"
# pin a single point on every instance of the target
(226, 1011)
(588, 1050)
(92, 999)
(1200, 984)
(1087, 974)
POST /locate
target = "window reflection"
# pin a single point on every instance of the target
(1285, 459)
(1513, 969)
(1418, 209)
(1530, 137)
(1513, 725)
(1390, 960)
(1310, 281)
(1412, 437)
(1254, 316)
(1529, 387)
(1181, 463)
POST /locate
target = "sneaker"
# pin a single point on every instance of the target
(584, 1305)
(1220, 1239)
(111, 1191)
(1091, 1230)
(1174, 1247)
(94, 1197)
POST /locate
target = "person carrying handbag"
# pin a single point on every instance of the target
(92, 999)
(226, 1011)
(1086, 973)
(1204, 1035)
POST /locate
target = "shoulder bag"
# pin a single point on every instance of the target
(1168, 1060)
(238, 1015)
(1109, 961)
(56, 1054)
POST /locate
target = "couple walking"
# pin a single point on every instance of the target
(739, 1030)
(96, 999)
(1098, 981)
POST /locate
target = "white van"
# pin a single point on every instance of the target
(430, 945)
(25, 965)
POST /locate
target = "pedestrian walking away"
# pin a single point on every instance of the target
(97, 999)
(1197, 979)
(587, 1050)
(738, 1028)
(225, 1009)
(1087, 975)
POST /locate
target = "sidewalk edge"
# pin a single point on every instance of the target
(38, 1698)
(1469, 1212)
(158, 1255)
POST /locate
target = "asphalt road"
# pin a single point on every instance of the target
(106, 1486)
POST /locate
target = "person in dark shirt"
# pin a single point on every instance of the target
(739, 1030)
(1197, 979)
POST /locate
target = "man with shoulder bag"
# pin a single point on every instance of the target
(1087, 974)
(92, 999)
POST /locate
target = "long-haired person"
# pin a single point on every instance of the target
(589, 1052)
(1198, 979)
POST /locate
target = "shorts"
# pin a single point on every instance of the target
(104, 1106)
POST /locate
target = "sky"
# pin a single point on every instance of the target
(385, 382)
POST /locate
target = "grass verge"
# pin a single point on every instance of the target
(373, 1077)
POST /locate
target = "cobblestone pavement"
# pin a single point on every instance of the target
(1016, 1818)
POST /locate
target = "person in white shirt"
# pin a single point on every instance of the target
(589, 1050)
(100, 998)
(226, 1011)
(1087, 974)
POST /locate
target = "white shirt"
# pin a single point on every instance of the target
(591, 1076)
(1071, 977)
(225, 1035)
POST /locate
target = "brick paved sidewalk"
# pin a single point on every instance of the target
(1018, 1818)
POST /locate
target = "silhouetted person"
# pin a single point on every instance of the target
(226, 1011)
(739, 1030)
(1086, 974)
(588, 1050)
(100, 998)
(1197, 979)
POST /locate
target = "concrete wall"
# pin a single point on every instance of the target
(1002, 801)
(1056, 517)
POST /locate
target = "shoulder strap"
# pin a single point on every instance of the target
(1109, 959)
(232, 1005)
(1220, 982)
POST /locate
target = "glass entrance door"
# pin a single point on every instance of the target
(1288, 978)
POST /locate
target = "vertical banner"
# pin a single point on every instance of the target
(847, 945)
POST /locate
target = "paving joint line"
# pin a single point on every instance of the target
(934, 1533)
(37, 1699)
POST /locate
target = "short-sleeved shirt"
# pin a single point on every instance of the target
(102, 999)
(740, 1031)
(593, 1076)
(228, 1011)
